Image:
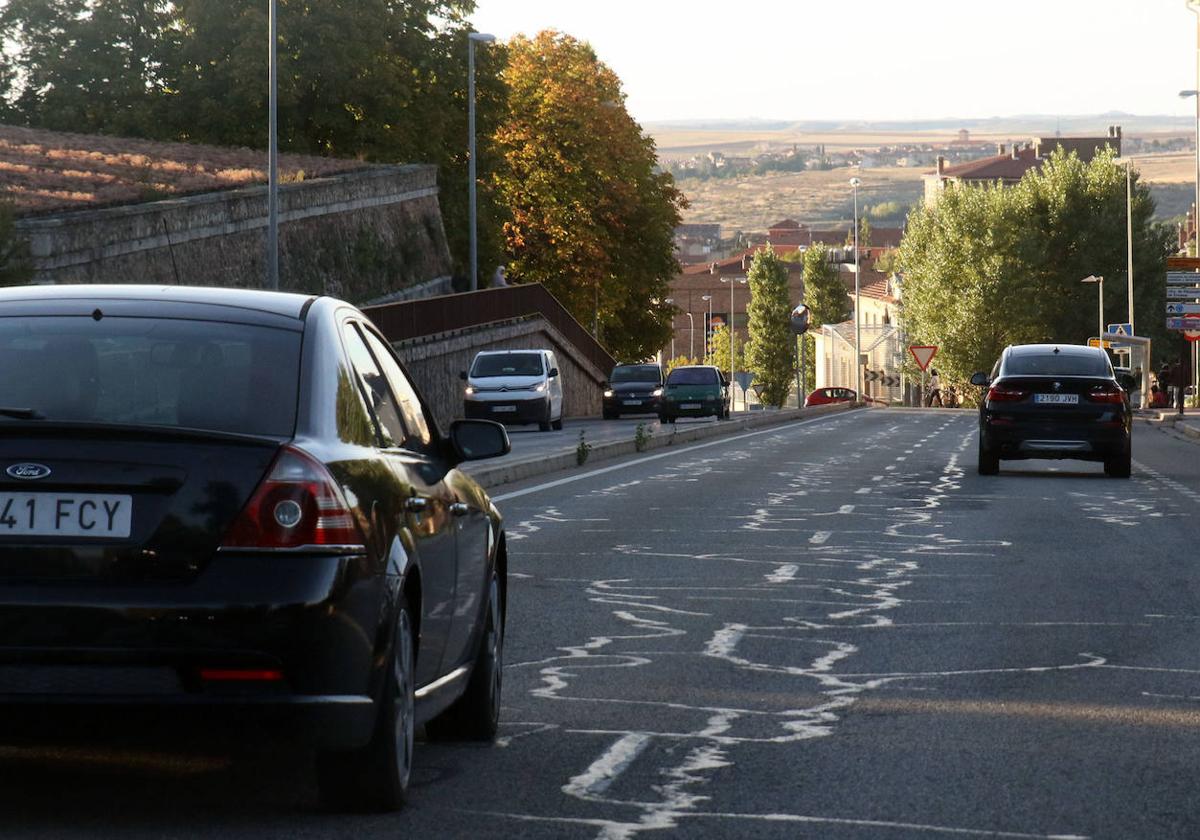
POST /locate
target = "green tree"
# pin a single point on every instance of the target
(989, 266)
(91, 65)
(377, 80)
(824, 292)
(864, 232)
(771, 352)
(592, 217)
(15, 265)
(718, 350)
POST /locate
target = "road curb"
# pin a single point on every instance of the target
(495, 475)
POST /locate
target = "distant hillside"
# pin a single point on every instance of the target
(1016, 124)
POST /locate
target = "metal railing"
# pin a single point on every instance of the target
(428, 316)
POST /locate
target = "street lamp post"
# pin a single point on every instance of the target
(1129, 235)
(1099, 281)
(272, 151)
(858, 384)
(671, 302)
(707, 324)
(472, 39)
(691, 337)
(732, 281)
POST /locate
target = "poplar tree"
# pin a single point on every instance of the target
(770, 354)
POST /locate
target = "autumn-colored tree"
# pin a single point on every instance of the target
(592, 217)
(771, 351)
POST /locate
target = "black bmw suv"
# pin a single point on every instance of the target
(1054, 401)
(220, 506)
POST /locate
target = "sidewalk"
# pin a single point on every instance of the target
(492, 474)
(1189, 424)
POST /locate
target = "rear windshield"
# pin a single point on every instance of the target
(156, 372)
(692, 376)
(636, 373)
(508, 364)
(1057, 364)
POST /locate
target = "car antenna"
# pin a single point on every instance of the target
(1055, 349)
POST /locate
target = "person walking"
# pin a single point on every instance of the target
(935, 389)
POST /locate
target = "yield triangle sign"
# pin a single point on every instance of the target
(923, 354)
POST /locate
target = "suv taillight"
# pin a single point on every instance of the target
(1106, 394)
(1002, 393)
(297, 504)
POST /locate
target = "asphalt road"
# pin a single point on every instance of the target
(833, 629)
(528, 440)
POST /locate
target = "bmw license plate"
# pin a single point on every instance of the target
(633, 402)
(90, 515)
(1057, 399)
(686, 406)
(504, 408)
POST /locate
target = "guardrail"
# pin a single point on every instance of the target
(428, 316)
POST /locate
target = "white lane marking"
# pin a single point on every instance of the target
(846, 509)
(614, 828)
(877, 478)
(605, 769)
(668, 454)
(820, 537)
(783, 574)
(862, 491)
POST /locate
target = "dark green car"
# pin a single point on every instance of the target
(694, 391)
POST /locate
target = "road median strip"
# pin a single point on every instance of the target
(494, 474)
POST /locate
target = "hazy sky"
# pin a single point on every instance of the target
(877, 59)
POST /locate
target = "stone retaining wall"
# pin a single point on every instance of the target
(435, 362)
(361, 235)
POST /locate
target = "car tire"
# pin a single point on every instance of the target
(989, 461)
(610, 415)
(1119, 466)
(665, 418)
(557, 424)
(476, 715)
(375, 777)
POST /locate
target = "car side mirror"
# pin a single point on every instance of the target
(474, 440)
(979, 378)
(462, 374)
(553, 372)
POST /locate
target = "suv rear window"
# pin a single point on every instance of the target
(1057, 364)
(692, 376)
(156, 372)
(508, 364)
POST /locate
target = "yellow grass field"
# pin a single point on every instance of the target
(754, 202)
(675, 144)
(1178, 168)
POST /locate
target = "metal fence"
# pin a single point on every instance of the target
(884, 349)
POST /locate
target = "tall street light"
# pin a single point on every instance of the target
(472, 39)
(272, 151)
(1099, 281)
(1184, 94)
(707, 324)
(671, 303)
(1129, 235)
(858, 384)
(732, 281)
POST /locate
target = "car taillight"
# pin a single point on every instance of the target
(1002, 393)
(297, 504)
(1106, 394)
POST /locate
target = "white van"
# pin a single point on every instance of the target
(514, 386)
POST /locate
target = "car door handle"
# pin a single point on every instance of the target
(460, 509)
(415, 504)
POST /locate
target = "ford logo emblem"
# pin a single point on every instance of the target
(28, 472)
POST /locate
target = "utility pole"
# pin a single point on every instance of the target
(272, 151)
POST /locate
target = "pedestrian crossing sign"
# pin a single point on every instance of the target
(1120, 329)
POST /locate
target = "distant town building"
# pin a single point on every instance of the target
(696, 243)
(1009, 165)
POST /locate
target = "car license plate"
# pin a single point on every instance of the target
(504, 408)
(91, 515)
(686, 406)
(633, 402)
(1057, 399)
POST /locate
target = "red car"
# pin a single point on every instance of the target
(825, 396)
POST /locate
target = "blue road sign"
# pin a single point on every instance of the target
(1120, 329)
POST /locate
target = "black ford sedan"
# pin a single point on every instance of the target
(1054, 401)
(236, 504)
